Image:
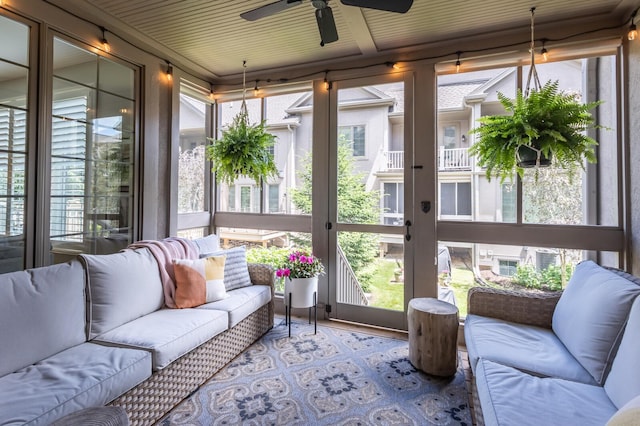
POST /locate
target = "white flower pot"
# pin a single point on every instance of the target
(302, 291)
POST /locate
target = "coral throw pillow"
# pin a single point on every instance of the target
(199, 281)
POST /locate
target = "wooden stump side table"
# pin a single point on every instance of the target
(433, 336)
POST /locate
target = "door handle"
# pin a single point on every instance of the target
(407, 235)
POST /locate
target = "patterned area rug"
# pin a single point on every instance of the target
(336, 377)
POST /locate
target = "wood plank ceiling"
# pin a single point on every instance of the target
(211, 36)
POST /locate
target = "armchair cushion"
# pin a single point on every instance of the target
(511, 397)
(623, 382)
(534, 350)
(590, 316)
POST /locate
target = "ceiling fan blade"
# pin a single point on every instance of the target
(269, 9)
(398, 6)
(326, 25)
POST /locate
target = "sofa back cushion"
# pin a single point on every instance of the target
(42, 312)
(623, 381)
(208, 244)
(591, 313)
(121, 287)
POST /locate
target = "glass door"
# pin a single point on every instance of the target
(370, 229)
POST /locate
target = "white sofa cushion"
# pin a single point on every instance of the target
(534, 350)
(86, 375)
(122, 287)
(241, 302)
(590, 316)
(510, 397)
(623, 382)
(208, 244)
(168, 333)
(43, 313)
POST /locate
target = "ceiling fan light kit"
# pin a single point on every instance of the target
(324, 14)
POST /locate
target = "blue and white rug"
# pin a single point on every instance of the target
(336, 377)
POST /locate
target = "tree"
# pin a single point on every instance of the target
(355, 205)
(555, 198)
(191, 174)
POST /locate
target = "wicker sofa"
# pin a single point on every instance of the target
(557, 359)
(95, 331)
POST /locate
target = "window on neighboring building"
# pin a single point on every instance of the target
(393, 203)
(507, 268)
(455, 198)
(274, 198)
(354, 137)
(245, 199)
(509, 199)
(231, 198)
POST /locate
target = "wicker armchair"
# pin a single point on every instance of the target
(524, 308)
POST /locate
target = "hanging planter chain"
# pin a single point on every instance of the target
(244, 112)
(532, 70)
(533, 75)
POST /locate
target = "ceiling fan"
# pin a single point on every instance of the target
(324, 15)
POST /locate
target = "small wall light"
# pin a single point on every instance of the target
(545, 53)
(633, 32)
(169, 73)
(103, 41)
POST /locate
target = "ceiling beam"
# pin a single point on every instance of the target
(359, 28)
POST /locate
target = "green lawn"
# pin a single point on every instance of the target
(388, 294)
(461, 281)
(385, 292)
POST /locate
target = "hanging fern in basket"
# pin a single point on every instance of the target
(545, 122)
(243, 150)
(549, 122)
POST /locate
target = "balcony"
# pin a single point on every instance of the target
(453, 159)
(448, 159)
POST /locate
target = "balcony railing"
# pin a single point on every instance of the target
(453, 159)
(448, 159)
(394, 160)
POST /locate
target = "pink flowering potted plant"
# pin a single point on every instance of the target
(300, 271)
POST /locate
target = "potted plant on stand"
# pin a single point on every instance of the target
(300, 271)
(543, 127)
